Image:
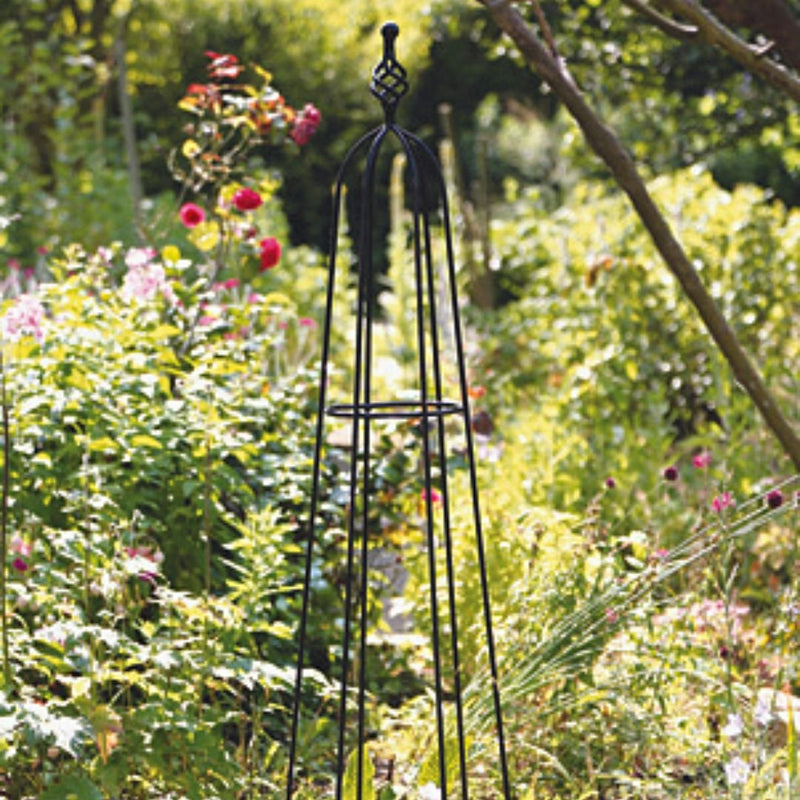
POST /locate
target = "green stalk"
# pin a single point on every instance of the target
(4, 523)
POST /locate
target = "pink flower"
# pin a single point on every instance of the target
(246, 199)
(701, 460)
(722, 501)
(191, 215)
(25, 317)
(435, 497)
(144, 282)
(306, 322)
(306, 124)
(20, 564)
(253, 298)
(270, 253)
(139, 257)
(20, 546)
(611, 616)
(231, 283)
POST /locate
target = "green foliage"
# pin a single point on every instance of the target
(599, 332)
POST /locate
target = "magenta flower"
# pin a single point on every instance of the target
(435, 497)
(701, 460)
(610, 483)
(191, 215)
(246, 199)
(306, 322)
(722, 501)
(20, 564)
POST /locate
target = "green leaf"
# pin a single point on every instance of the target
(73, 787)
(145, 440)
(350, 787)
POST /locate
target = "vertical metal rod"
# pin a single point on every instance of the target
(365, 279)
(426, 463)
(473, 479)
(447, 533)
(315, 481)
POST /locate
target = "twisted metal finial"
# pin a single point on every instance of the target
(389, 82)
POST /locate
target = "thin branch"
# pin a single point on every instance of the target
(674, 29)
(752, 58)
(547, 31)
(605, 142)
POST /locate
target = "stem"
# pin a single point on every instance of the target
(4, 523)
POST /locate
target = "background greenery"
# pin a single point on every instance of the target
(159, 469)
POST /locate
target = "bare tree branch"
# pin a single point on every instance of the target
(607, 145)
(774, 19)
(674, 29)
(716, 34)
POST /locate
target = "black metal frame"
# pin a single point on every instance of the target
(388, 85)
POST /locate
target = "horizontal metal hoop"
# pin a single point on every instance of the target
(395, 409)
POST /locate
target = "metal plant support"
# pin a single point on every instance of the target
(429, 408)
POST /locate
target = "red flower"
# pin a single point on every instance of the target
(247, 199)
(270, 253)
(305, 124)
(192, 215)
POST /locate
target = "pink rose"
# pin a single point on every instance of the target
(270, 253)
(192, 215)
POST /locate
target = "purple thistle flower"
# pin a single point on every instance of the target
(670, 473)
(775, 498)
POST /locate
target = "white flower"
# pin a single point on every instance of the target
(737, 771)
(734, 726)
(763, 710)
(430, 791)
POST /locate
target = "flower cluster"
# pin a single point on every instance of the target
(24, 318)
(233, 117)
(145, 278)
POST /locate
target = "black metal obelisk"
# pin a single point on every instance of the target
(435, 415)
